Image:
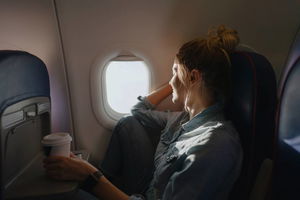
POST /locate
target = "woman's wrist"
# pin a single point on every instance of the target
(89, 169)
(91, 181)
(160, 94)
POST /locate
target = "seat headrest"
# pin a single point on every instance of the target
(287, 161)
(251, 108)
(289, 94)
(253, 95)
(22, 76)
(293, 56)
(289, 125)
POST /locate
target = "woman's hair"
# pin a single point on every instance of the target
(209, 55)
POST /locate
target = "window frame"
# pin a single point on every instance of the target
(105, 115)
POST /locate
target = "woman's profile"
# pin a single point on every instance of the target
(198, 155)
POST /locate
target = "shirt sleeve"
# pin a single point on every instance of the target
(136, 197)
(145, 113)
(208, 173)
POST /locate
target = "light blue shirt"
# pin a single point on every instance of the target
(195, 159)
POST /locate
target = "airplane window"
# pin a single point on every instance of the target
(125, 81)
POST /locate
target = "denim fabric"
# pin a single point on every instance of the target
(128, 162)
(195, 159)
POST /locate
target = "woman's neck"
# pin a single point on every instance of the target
(195, 104)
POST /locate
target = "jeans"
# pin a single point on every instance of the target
(128, 162)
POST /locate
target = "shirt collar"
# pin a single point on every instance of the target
(202, 117)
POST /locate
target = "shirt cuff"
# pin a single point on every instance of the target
(136, 197)
(146, 102)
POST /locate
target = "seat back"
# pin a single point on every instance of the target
(24, 112)
(287, 145)
(251, 108)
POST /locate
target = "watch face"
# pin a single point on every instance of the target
(91, 181)
(96, 175)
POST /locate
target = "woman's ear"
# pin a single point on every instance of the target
(196, 76)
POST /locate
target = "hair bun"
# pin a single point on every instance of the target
(223, 37)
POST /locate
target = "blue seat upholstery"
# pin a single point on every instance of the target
(251, 108)
(21, 77)
(287, 159)
(25, 97)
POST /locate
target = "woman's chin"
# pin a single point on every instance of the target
(175, 100)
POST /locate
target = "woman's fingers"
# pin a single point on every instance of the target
(63, 168)
(73, 156)
(60, 172)
(54, 166)
(54, 159)
(55, 174)
(68, 168)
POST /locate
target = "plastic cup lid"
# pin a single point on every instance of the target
(54, 139)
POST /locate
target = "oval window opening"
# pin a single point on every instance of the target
(125, 81)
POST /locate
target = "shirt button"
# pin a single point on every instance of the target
(168, 159)
(171, 157)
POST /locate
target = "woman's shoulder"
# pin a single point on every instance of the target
(220, 137)
(225, 133)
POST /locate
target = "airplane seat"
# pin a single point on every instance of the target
(251, 107)
(24, 114)
(286, 175)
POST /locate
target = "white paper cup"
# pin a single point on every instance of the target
(57, 144)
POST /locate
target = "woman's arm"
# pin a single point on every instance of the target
(160, 94)
(106, 190)
(73, 168)
(145, 111)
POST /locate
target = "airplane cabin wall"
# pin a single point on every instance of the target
(31, 26)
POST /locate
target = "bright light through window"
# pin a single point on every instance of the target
(125, 81)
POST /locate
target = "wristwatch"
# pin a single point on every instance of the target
(91, 181)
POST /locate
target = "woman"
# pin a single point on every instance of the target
(198, 155)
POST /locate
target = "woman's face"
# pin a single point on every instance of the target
(178, 93)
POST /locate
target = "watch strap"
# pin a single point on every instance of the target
(91, 181)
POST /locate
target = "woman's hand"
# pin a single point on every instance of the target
(68, 168)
